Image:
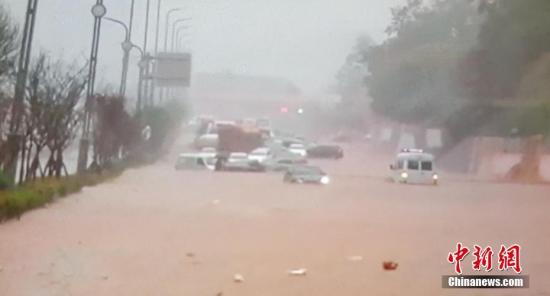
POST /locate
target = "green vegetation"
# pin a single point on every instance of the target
(17, 200)
(473, 67)
(164, 121)
(5, 182)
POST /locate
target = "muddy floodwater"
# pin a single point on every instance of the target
(157, 231)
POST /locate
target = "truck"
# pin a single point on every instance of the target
(234, 138)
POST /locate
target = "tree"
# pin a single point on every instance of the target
(52, 115)
(413, 74)
(8, 50)
(8, 46)
(514, 35)
(116, 132)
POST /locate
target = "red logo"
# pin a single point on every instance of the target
(508, 258)
(483, 258)
(458, 256)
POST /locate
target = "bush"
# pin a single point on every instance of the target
(5, 182)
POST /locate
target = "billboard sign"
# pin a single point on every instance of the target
(173, 69)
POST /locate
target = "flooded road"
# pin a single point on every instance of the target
(156, 231)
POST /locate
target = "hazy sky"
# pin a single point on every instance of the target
(305, 41)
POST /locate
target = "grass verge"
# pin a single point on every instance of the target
(25, 197)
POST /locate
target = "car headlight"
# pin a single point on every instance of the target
(325, 180)
(404, 175)
(435, 177)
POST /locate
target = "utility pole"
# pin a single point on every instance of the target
(98, 11)
(147, 68)
(15, 138)
(176, 41)
(126, 58)
(166, 37)
(174, 25)
(126, 48)
(157, 36)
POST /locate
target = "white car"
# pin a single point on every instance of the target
(237, 157)
(260, 155)
(414, 166)
(298, 149)
(195, 161)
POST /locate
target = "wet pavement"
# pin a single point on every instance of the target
(157, 231)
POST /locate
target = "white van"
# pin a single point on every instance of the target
(414, 166)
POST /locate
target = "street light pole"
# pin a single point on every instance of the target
(174, 25)
(143, 64)
(181, 41)
(14, 138)
(157, 30)
(157, 36)
(98, 11)
(126, 57)
(167, 26)
(126, 47)
(145, 41)
(176, 42)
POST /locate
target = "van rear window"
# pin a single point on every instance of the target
(400, 164)
(412, 165)
(426, 165)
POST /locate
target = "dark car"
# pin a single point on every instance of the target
(326, 151)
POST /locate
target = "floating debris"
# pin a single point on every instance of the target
(238, 278)
(355, 258)
(389, 265)
(298, 272)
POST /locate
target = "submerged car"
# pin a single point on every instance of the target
(260, 155)
(298, 149)
(306, 175)
(325, 151)
(282, 164)
(195, 161)
(414, 166)
(238, 162)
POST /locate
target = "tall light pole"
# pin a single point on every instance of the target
(157, 36)
(157, 29)
(174, 25)
(126, 47)
(180, 37)
(98, 11)
(167, 26)
(15, 138)
(143, 65)
(145, 43)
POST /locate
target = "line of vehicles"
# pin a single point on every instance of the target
(253, 146)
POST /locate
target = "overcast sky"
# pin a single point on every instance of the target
(305, 41)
